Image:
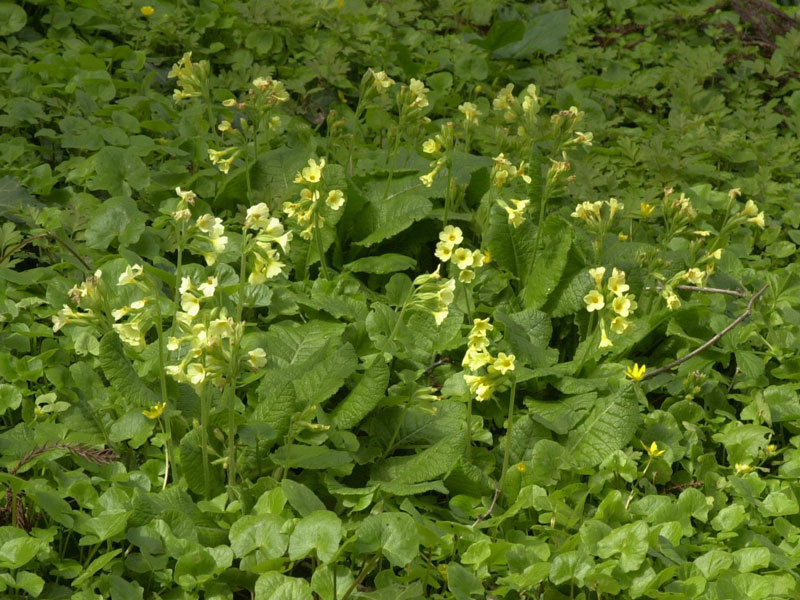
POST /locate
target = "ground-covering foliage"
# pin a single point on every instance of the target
(414, 299)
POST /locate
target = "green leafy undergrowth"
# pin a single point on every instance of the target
(348, 299)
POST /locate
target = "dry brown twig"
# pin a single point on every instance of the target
(713, 340)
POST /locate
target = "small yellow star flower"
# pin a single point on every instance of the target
(521, 467)
(742, 468)
(646, 209)
(636, 373)
(147, 11)
(653, 450)
(155, 411)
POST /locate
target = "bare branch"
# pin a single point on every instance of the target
(713, 340)
(709, 290)
(485, 515)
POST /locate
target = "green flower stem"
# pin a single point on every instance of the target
(162, 364)
(320, 249)
(356, 122)
(178, 275)
(509, 426)
(397, 324)
(205, 400)
(469, 428)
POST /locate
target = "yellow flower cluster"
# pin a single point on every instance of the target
(208, 238)
(267, 231)
(307, 212)
(381, 81)
(621, 304)
(441, 143)
(470, 112)
(478, 356)
(433, 294)
(192, 78)
(447, 248)
(223, 159)
(592, 212)
(86, 294)
(132, 332)
(504, 172)
(182, 212)
(753, 215)
(516, 213)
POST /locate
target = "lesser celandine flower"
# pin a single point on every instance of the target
(653, 450)
(646, 209)
(636, 373)
(147, 11)
(155, 411)
(742, 468)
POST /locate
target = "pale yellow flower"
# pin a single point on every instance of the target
(750, 209)
(604, 341)
(673, 301)
(616, 283)
(621, 305)
(475, 358)
(335, 199)
(196, 373)
(130, 334)
(619, 325)
(208, 287)
(462, 258)
(452, 234)
(597, 274)
(466, 276)
(190, 304)
(615, 206)
(694, 276)
(470, 111)
(502, 364)
(594, 301)
(430, 146)
(382, 81)
(481, 326)
(418, 93)
(130, 275)
(444, 251)
(257, 216)
(758, 220)
(257, 358)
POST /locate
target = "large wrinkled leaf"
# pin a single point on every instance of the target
(608, 427)
(364, 397)
(119, 371)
